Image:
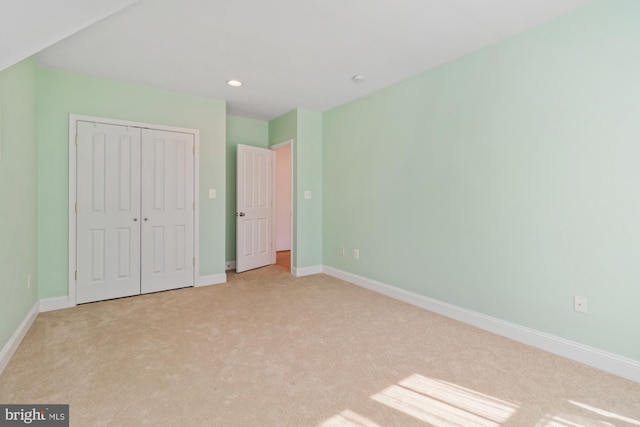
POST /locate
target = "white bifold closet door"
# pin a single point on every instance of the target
(167, 255)
(135, 211)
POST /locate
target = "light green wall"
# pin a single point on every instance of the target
(247, 132)
(308, 155)
(18, 206)
(505, 182)
(61, 93)
(305, 129)
(283, 128)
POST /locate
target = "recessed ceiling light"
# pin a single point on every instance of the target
(358, 78)
(234, 83)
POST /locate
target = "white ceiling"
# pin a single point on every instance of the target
(28, 26)
(289, 53)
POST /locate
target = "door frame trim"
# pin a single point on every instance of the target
(73, 119)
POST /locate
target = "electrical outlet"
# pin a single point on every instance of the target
(356, 253)
(580, 304)
(29, 281)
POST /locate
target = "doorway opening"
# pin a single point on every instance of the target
(283, 220)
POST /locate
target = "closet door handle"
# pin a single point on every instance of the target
(146, 219)
(135, 219)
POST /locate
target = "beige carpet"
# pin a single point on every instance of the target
(267, 349)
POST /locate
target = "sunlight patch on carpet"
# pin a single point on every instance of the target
(607, 418)
(569, 420)
(348, 418)
(606, 413)
(445, 404)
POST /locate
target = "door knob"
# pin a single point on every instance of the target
(240, 214)
(135, 219)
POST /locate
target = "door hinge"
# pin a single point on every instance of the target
(76, 139)
(194, 150)
(76, 208)
(194, 262)
(75, 275)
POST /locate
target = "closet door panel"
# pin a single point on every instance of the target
(168, 210)
(108, 211)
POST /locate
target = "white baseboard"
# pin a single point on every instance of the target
(52, 304)
(306, 271)
(599, 359)
(12, 345)
(230, 265)
(214, 279)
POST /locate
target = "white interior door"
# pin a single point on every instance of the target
(108, 211)
(254, 208)
(167, 210)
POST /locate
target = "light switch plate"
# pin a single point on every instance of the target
(307, 195)
(212, 193)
